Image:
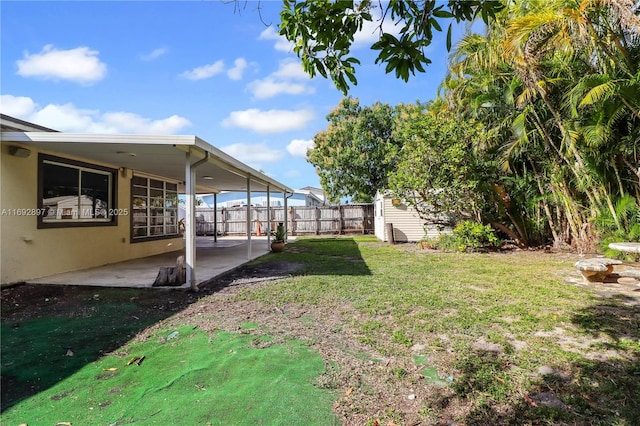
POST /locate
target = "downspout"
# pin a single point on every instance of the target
(190, 229)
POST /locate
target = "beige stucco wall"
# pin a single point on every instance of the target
(27, 252)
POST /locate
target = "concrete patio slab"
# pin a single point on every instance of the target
(212, 259)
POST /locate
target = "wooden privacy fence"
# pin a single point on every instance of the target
(303, 220)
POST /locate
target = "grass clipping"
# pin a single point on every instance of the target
(187, 376)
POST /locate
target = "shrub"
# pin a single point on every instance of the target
(469, 236)
(624, 226)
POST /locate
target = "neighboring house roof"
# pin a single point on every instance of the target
(318, 193)
(159, 155)
(233, 197)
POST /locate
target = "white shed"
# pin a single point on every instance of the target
(407, 225)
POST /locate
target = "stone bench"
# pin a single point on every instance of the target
(630, 273)
(596, 269)
(627, 247)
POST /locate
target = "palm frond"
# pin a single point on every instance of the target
(600, 93)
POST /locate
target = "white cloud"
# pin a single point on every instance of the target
(69, 118)
(289, 79)
(17, 106)
(370, 32)
(205, 71)
(299, 147)
(80, 65)
(235, 73)
(291, 69)
(156, 53)
(127, 122)
(253, 154)
(272, 121)
(268, 88)
(282, 44)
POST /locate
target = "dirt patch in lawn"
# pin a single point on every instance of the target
(369, 385)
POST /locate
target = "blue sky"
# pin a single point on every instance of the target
(184, 67)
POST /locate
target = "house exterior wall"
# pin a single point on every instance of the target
(28, 252)
(407, 225)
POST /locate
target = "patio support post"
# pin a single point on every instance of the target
(249, 217)
(268, 217)
(190, 226)
(286, 215)
(190, 218)
(215, 217)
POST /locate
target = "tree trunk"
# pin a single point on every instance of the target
(509, 232)
(547, 211)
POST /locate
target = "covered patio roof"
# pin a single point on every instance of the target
(159, 155)
(194, 164)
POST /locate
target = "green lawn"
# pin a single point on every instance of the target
(363, 333)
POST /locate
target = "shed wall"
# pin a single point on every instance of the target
(407, 225)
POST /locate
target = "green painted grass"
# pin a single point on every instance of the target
(193, 378)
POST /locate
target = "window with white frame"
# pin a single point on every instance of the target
(74, 193)
(154, 206)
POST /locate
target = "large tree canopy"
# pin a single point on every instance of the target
(437, 170)
(324, 30)
(354, 155)
(555, 85)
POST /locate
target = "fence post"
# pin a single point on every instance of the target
(223, 214)
(291, 218)
(390, 237)
(340, 219)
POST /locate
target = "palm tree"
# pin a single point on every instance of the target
(558, 86)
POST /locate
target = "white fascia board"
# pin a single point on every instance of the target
(50, 137)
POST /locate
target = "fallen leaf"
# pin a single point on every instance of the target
(501, 380)
(110, 369)
(132, 360)
(142, 358)
(349, 391)
(588, 399)
(530, 401)
(63, 424)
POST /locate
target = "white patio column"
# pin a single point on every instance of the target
(190, 218)
(249, 217)
(215, 217)
(190, 226)
(286, 215)
(268, 217)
